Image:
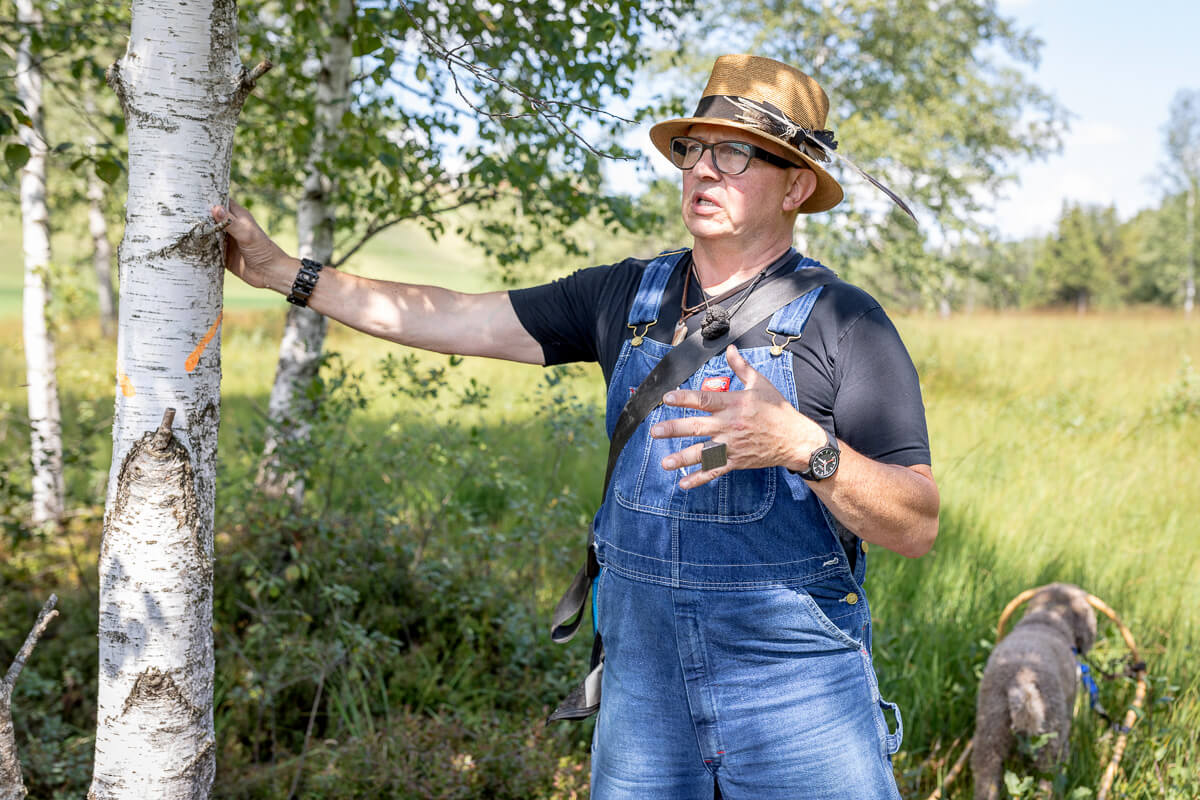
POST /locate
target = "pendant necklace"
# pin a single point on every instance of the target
(716, 318)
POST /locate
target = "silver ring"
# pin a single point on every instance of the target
(713, 455)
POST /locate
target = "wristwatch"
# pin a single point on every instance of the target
(823, 461)
(306, 281)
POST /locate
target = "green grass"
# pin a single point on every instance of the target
(1064, 446)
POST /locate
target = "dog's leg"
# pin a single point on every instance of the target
(993, 740)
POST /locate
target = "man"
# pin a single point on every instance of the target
(730, 601)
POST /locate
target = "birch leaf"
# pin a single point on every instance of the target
(108, 170)
(16, 156)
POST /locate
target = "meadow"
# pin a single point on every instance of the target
(389, 639)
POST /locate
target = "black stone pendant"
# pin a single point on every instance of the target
(716, 323)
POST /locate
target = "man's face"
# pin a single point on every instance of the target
(758, 202)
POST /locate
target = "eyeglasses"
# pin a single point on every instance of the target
(730, 158)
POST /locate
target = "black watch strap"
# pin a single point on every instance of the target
(306, 281)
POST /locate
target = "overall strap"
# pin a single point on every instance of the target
(790, 320)
(648, 300)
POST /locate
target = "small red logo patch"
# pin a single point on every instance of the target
(716, 384)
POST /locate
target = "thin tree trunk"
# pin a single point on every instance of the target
(303, 340)
(12, 784)
(44, 416)
(1189, 281)
(181, 88)
(101, 256)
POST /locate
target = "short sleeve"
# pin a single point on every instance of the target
(878, 407)
(560, 316)
(580, 317)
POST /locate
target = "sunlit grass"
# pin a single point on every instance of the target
(1058, 457)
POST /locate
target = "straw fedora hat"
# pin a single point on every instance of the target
(772, 101)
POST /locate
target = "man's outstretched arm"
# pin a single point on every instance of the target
(428, 317)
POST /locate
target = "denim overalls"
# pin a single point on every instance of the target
(736, 634)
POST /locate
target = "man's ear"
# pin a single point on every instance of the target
(803, 185)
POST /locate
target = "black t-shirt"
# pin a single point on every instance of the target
(854, 376)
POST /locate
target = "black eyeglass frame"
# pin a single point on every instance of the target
(755, 152)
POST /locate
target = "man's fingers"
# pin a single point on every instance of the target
(688, 457)
(683, 426)
(701, 401)
(701, 477)
(683, 458)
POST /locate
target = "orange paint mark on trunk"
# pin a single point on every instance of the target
(194, 358)
(125, 384)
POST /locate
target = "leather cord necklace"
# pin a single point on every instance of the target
(716, 317)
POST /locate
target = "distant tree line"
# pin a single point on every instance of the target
(1093, 260)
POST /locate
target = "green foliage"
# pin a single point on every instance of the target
(1083, 261)
(1180, 401)
(16, 156)
(452, 107)
(409, 589)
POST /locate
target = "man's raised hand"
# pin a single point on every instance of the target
(758, 426)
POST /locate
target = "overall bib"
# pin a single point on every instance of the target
(735, 628)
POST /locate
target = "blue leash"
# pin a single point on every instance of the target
(1085, 675)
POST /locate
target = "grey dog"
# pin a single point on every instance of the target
(1029, 684)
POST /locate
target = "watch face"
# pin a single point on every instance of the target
(823, 463)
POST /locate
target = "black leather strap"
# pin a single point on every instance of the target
(675, 368)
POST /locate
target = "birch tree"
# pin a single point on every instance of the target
(181, 88)
(304, 333)
(40, 369)
(1183, 173)
(101, 255)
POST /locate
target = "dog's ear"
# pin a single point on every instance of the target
(1083, 621)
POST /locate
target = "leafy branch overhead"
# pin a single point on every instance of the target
(546, 109)
(72, 44)
(452, 108)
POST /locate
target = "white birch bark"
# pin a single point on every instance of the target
(40, 367)
(181, 87)
(304, 333)
(101, 256)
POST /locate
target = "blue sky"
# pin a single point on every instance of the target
(1116, 67)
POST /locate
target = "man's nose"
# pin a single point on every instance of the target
(707, 165)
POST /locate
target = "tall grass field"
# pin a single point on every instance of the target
(389, 639)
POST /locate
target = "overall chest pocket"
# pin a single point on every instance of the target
(641, 484)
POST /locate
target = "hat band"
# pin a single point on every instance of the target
(769, 119)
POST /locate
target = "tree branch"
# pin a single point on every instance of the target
(379, 227)
(12, 785)
(546, 109)
(44, 618)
